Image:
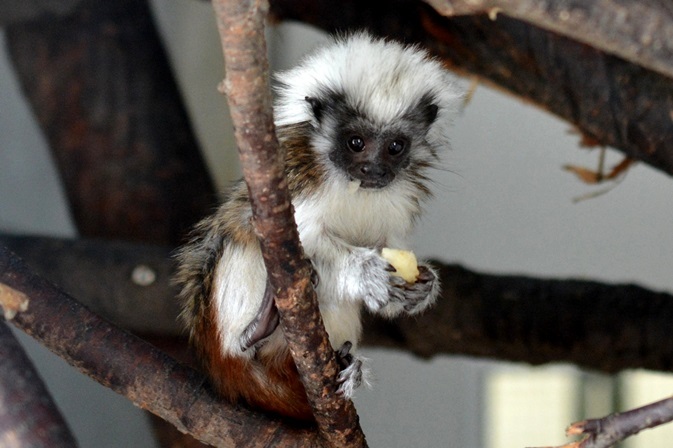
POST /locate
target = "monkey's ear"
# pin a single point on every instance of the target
(428, 109)
(316, 107)
(430, 113)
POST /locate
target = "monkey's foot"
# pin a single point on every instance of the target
(354, 372)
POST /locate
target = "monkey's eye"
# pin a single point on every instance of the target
(396, 147)
(356, 143)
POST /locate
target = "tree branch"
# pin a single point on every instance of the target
(28, 416)
(640, 32)
(606, 432)
(598, 326)
(135, 369)
(102, 89)
(241, 27)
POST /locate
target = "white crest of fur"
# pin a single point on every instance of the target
(382, 78)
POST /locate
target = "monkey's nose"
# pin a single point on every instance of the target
(372, 170)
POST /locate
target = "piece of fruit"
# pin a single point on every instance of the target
(404, 262)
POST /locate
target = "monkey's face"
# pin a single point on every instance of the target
(373, 159)
(368, 151)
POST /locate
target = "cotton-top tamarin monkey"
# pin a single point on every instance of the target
(360, 121)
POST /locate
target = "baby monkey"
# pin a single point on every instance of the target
(361, 121)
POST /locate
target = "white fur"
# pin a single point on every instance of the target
(384, 78)
(240, 280)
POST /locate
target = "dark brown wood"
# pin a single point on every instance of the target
(13, 11)
(599, 326)
(611, 101)
(241, 27)
(28, 415)
(127, 283)
(137, 370)
(639, 32)
(102, 90)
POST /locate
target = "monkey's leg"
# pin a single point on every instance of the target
(264, 323)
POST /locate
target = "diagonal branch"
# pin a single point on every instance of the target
(241, 27)
(101, 87)
(137, 370)
(640, 32)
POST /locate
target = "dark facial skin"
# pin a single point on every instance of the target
(372, 154)
(372, 159)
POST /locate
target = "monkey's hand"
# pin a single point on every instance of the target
(367, 277)
(412, 298)
(353, 371)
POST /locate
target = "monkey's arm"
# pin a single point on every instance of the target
(353, 273)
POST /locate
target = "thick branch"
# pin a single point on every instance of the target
(611, 101)
(135, 369)
(28, 416)
(241, 26)
(603, 327)
(640, 32)
(598, 326)
(102, 90)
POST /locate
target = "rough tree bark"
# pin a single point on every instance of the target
(137, 370)
(241, 25)
(28, 416)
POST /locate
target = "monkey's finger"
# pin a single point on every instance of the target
(424, 274)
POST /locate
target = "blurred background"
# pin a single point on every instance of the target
(502, 204)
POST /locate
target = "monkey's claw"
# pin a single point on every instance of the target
(353, 371)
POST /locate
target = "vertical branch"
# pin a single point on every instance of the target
(28, 416)
(241, 27)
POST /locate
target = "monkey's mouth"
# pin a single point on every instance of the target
(372, 184)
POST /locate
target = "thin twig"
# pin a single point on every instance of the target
(241, 27)
(133, 368)
(607, 431)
